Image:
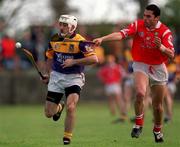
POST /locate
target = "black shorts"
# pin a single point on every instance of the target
(56, 97)
(72, 89)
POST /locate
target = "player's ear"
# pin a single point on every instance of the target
(157, 18)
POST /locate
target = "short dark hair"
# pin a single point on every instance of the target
(156, 10)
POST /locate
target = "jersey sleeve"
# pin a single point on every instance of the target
(86, 48)
(49, 52)
(167, 39)
(130, 30)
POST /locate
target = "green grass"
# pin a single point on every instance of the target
(26, 126)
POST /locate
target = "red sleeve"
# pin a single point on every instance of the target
(167, 39)
(130, 30)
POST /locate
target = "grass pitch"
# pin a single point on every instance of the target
(26, 126)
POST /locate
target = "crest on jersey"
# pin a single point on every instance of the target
(141, 34)
(71, 48)
(156, 34)
(88, 48)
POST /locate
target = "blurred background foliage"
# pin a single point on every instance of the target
(170, 13)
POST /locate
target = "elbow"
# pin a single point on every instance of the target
(172, 55)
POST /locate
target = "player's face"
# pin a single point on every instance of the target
(64, 29)
(150, 20)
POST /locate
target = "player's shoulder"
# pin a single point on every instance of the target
(78, 37)
(164, 27)
(140, 22)
(55, 37)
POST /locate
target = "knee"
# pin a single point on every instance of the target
(140, 95)
(48, 113)
(158, 107)
(71, 108)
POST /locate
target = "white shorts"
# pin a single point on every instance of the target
(129, 82)
(112, 89)
(172, 87)
(58, 81)
(157, 74)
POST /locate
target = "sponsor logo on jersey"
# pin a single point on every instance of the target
(61, 57)
(89, 48)
(156, 34)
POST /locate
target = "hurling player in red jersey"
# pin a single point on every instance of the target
(152, 46)
(111, 74)
(65, 66)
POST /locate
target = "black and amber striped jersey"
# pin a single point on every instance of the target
(59, 51)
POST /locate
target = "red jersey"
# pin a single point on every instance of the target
(111, 74)
(144, 49)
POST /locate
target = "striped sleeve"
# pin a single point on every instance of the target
(167, 39)
(87, 49)
(130, 30)
(49, 53)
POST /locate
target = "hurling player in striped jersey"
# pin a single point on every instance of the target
(65, 66)
(152, 47)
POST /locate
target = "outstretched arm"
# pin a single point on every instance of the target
(116, 36)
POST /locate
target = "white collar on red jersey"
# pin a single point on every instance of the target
(158, 25)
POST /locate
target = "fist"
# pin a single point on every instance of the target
(157, 41)
(68, 63)
(97, 41)
(45, 80)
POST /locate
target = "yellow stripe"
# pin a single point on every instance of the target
(89, 54)
(68, 135)
(65, 47)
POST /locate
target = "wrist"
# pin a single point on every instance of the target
(162, 48)
(46, 76)
(75, 62)
(103, 38)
